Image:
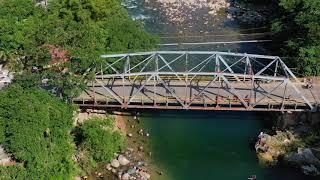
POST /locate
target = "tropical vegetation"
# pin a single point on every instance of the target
(62, 41)
(53, 49)
(297, 29)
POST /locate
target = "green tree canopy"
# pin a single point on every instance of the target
(36, 130)
(299, 28)
(84, 28)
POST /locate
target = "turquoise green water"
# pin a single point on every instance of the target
(209, 145)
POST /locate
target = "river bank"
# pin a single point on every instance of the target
(293, 141)
(134, 161)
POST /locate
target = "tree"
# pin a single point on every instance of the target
(37, 133)
(299, 28)
(84, 28)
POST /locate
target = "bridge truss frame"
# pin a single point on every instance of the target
(158, 69)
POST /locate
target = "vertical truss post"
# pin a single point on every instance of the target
(217, 69)
(123, 90)
(156, 62)
(154, 90)
(156, 69)
(245, 71)
(250, 72)
(101, 70)
(186, 80)
(217, 64)
(94, 93)
(127, 65)
(284, 94)
(276, 68)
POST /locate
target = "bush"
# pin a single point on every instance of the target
(37, 133)
(13, 172)
(100, 140)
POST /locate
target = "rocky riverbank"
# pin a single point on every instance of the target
(189, 15)
(132, 162)
(297, 146)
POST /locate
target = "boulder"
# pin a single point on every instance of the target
(4, 157)
(114, 171)
(140, 148)
(108, 167)
(125, 176)
(303, 156)
(115, 163)
(304, 159)
(144, 175)
(310, 170)
(123, 160)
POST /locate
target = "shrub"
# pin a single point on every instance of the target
(100, 140)
(37, 132)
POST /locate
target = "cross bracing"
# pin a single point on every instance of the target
(206, 80)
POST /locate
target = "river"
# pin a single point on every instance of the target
(200, 144)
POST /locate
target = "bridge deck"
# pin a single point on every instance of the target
(197, 95)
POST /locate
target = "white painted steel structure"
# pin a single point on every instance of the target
(207, 80)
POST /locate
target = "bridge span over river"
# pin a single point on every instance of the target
(198, 80)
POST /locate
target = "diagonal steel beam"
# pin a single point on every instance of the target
(266, 67)
(299, 93)
(190, 102)
(141, 87)
(134, 79)
(234, 64)
(171, 92)
(228, 67)
(268, 94)
(146, 59)
(234, 91)
(114, 69)
(207, 59)
(111, 65)
(177, 58)
(287, 70)
(168, 65)
(111, 92)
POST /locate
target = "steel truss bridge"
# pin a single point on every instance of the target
(198, 80)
